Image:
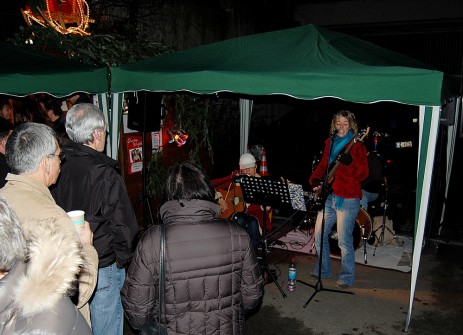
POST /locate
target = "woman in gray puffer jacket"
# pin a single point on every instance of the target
(212, 274)
(39, 263)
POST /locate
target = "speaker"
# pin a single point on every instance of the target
(145, 110)
(448, 111)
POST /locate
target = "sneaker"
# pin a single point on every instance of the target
(343, 286)
(312, 276)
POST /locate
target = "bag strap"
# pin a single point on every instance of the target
(162, 274)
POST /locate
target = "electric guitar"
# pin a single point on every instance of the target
(322, 193)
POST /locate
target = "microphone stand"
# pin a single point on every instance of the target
(318, 287)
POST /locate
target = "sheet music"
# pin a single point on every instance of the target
(297, 197)
(264, 190)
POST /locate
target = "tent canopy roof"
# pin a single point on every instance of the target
(25, 71)
(306, 62)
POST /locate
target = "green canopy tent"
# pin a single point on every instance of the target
(306, 63)
(25, 71)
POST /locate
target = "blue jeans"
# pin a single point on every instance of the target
(367, 197)
(251, 224)
(342, 212)
(106, 310)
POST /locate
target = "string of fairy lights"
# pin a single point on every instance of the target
(74, 22)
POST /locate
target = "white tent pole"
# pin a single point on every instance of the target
(115, 126)
(429, 125)
(245, 122)
(112, 111)
(101, 101)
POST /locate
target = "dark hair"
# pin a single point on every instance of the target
(30, 111)
(5, 128)
(186, 181)
(51, 103)
(4, 102)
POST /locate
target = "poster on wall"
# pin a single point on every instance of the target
(156, 141)
(134, 150)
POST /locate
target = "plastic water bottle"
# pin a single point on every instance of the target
(292, 274)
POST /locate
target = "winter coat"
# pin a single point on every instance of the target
(347, 178)
(34, 295)
(31, 200)
(212, 272)
(89, 181)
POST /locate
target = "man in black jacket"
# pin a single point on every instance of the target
(5, 131)
(90, 182)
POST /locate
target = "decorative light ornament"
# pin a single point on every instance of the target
(178, 136)
(65, 16)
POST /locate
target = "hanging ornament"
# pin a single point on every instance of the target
(65, 16)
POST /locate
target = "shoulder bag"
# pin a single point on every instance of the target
(152, 327)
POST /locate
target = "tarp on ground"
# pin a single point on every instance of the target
(25, 71)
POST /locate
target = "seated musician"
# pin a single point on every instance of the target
(232, 205)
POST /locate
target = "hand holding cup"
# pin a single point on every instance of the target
(82, 226)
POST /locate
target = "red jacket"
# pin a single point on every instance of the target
(347, 179)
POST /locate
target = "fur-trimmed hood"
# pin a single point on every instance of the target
(51, 271)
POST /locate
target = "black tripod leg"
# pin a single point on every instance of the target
(364, 245)
(365, 250)
(264, 264)
(318, 287)
(137, 202)
(148, 207)
(274, 280)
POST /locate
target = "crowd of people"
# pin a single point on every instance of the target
(58, 279)
(102, 274)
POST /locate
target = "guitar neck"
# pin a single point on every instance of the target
(351, 144)
(336, 165)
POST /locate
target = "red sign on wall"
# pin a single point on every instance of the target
(134, 150)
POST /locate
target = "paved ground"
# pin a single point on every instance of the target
(379, 304)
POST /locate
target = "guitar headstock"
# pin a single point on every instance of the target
(362, 134)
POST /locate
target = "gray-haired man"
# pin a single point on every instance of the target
(34, 157)
(88, 171)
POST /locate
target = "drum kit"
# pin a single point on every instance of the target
(364, 231)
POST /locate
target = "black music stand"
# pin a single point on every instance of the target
(318, 287)
(265, 192)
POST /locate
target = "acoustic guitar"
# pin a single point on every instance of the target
(232, 197)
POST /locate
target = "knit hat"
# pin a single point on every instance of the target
(247, 161)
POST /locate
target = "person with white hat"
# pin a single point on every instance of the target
(248, 167)
(250, 216)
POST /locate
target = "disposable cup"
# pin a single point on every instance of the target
(77, 219)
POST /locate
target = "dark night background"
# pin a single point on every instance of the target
(292, 131)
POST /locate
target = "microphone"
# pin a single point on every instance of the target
(334, 132)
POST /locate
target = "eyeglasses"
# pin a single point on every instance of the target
(62, 156)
